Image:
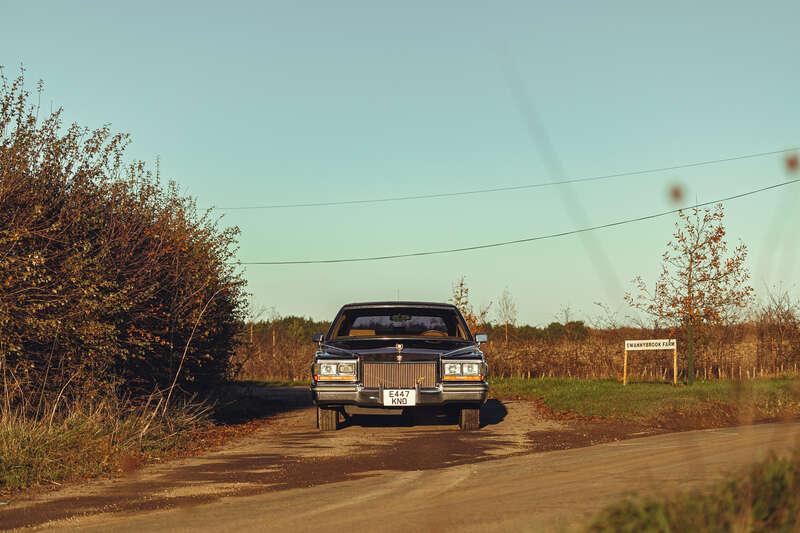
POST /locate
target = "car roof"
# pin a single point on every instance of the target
(398, 304)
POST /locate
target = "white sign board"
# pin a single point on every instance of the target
(653, 344)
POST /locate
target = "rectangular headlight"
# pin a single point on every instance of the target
(466, 371)
(471, 369)
(327, 369)
(335, 371)
(346, 369)
(452, 369)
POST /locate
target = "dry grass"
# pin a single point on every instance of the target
(732, 353)
(762, 348)
(86, 439)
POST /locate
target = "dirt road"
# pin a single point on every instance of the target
(388, 473)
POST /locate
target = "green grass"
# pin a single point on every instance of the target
(609, 399)
(766, 498)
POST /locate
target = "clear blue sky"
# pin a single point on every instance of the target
(258, 103)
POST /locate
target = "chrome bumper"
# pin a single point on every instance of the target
(356, 394)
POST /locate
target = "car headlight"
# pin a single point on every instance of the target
(471, 369)
(346, 369)
(327, 369)
(335, 371)
(458, 371)
(452, 369)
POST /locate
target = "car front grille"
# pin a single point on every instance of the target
(398, 375)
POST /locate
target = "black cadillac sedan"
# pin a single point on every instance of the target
(399, 355)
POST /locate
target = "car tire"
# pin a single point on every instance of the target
(469, 418)
(327, 418)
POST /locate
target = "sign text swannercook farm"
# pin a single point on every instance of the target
(655, 344)
(651, 344)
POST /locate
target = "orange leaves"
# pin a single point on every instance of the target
(699, 281)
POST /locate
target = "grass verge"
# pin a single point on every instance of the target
(768, 398)
(86, 440)
(766, 498)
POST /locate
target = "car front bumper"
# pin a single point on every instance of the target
(356, 394)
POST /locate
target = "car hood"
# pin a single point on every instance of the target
(412, 349)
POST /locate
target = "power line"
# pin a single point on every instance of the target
(519, 241)
(549, 155)
(510, 187)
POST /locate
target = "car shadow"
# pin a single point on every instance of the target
(492, 412)
(242, 402)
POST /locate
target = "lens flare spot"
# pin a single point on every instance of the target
(677, 193)
(791, 163)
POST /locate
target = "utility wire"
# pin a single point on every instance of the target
(547, 152)
(510, 187)
(519, 241)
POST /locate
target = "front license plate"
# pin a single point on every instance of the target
(399, 397)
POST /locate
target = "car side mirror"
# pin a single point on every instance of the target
(318, 338)
(481, 337)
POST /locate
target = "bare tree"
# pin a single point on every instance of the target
(506, 311)
(565, 314)
(699, 282)
(777, 322)
(460, 298)
(607, 319)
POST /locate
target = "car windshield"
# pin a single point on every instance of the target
(399, 322)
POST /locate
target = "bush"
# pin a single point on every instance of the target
(767, 498)
(108, 279)
(278, 348)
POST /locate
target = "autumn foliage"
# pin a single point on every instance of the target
(701, 283)
(108, 279)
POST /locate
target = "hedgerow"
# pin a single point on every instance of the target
(109, 279)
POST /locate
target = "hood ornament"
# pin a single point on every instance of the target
(399, 348)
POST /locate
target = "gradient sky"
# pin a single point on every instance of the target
(260, 103)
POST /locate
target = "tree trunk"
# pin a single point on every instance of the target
(690, 352)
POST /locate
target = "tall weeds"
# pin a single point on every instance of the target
(87, 438)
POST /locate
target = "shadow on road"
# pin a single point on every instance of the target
(493, 412)
(241, 402)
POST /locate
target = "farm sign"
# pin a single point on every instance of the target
(651, 344)
(656, 344)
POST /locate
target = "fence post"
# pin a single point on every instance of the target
(675, 365)
(625, 369)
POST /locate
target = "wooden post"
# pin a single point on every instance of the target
(625, 369)
(675, 365)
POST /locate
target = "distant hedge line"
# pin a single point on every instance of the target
(106, 276)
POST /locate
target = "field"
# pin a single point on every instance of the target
(608, 399)
(764, 347)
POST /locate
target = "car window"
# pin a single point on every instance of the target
(399, 322)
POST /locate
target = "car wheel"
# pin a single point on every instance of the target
(327, 418)
(470, 418)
